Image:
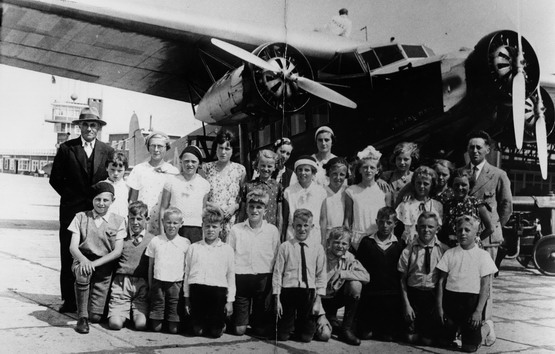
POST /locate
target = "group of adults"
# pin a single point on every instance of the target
(80, 163)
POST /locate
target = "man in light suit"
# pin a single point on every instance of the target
(79, 164)
(492, 185)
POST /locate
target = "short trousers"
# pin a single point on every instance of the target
(164, 297)
(129, 296)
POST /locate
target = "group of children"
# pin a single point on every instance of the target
(299, 253)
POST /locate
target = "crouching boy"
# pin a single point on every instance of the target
(209, 281)
(129, 295)
(345, 278)
(96, 241)
(463, 288)
(299, 278)
(419, 278)
(255, 242)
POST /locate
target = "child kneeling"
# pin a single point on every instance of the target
(209, 280)
(466, 272)
(129, 295)
(299, 279)
(96, 241)
(345, 279)
(419, 277)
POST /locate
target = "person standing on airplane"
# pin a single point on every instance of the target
(79, 164)
(341, 25)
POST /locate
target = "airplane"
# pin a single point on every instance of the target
(271, 82)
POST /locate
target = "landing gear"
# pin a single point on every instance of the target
(544, 255)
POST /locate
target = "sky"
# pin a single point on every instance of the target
(443, 25)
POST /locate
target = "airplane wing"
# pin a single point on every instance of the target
(140, 48)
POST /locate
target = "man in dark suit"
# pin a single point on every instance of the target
(79, 164)
(492, 185)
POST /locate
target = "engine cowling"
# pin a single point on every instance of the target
(532, 113)
(249, 90)
(492, 66)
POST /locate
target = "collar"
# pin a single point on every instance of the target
(142, 233)
(83, 142)
(258, 180)
(419, 243)
(294, 240)
(217, 243)
(247, 225)
(392, 238)
(103, 217)
(480, 166)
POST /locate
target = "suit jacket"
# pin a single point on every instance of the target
(70, 178)
(493, 187)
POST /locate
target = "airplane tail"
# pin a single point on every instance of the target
(136, 143)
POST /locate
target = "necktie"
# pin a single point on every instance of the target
(427, 259)
(475, 173)
(303, 264)
(88, 149)
(137, 239)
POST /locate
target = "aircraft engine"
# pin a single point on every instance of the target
(274, 89)
(492, 66)
(276, 79)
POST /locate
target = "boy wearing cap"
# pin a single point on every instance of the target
(255, 242)
(96, 241)
(79, 163)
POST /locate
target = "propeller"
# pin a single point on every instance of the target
(244, 55)
(519, 90)
(541, 135)
(307, 85)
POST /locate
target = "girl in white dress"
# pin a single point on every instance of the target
(188, 192)
(333, 207)
(305, 194)
(364, 198)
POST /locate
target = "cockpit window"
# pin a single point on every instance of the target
(415, 51)
(389, 54)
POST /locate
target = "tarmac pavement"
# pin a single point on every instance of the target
(524, 300)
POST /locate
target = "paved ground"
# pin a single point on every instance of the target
(524, 305)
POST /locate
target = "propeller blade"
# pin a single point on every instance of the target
(244, 55)
(323, 92)
(519, 101)
(541, 143)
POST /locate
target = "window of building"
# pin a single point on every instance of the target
(34, 165)
(12, 164)
(24, 165)
(6, 164)
(43, 163)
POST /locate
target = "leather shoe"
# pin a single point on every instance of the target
(67, 307)
(82, 325)
(347, 336)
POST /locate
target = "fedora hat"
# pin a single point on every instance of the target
(89, 114)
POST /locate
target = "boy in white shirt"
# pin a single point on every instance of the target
(255, 242)
(209, 280)
(463, 289)
(116, 165)
(165, 272)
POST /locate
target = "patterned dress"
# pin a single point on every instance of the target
(225, 186)
(454, 209)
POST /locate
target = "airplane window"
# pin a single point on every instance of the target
(415, 51)
(389, 54)
(371, 58)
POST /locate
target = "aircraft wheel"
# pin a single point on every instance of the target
(525, 261)
(544, 255)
